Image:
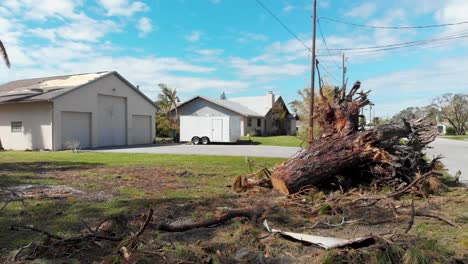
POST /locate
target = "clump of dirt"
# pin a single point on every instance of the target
(107, 179)
(59, 192)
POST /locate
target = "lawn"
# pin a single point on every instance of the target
(68, 194)
(465, 137)
(285, 141)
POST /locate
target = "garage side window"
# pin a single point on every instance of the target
(259, 122)
(16, 126)
(249, 122)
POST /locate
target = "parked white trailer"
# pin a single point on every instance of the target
(206, 129)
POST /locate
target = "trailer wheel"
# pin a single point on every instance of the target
(196, 140)
(205, 140)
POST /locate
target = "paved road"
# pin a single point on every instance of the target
(455, 153)
(223, 150)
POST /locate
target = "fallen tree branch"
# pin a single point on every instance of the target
(37, 230)
(411, 221)
(253, 214)
(427, 214)
(401, 192)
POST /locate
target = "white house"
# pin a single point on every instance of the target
(260, 115)
(95, 109)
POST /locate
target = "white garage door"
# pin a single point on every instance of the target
(141, 129)
(112, 125)
(76, 128)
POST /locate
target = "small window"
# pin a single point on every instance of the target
(249, 122)
(259, 122)
(16, 127)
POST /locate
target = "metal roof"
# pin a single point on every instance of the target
(49, 88)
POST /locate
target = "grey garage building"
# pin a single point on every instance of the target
(93, 109)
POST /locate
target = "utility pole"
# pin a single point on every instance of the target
(312, 77)
(344, 70)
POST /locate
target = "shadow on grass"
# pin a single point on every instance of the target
(68, 217)
(14, 173)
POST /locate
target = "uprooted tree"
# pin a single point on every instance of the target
(387, 154)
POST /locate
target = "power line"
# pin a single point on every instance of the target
(394, 27)
(328, 73)
(326, 46)
(284, 26)
(462, 34)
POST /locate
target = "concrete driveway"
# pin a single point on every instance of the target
(221, 150)
(455, 153)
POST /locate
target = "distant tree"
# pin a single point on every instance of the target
(171, 95)
(452, 108)
(4, 54)
(414, 112)
(362, 121)
(223, 96)
(163, 126)
(301, 106)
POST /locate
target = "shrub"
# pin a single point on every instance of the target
(450, 131)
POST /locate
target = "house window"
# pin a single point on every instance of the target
(259, 122)
(16, 127)
(249, 122)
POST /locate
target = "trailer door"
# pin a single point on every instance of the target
(217, 130)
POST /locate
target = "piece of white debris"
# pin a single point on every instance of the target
(323, 242)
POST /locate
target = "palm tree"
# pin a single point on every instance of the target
(4, 54)
(164, 105)
(171, 94)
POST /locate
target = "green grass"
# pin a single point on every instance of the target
(225, 165)
(465, 137)
(209, 176)
(285, 141)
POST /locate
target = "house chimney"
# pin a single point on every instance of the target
(270, 100)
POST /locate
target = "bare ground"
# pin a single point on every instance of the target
(239, 241)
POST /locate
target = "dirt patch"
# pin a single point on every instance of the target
(59, 192)
(150, 180)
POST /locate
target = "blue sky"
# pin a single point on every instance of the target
(209, 46)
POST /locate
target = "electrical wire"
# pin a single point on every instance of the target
(459, 35)
(394, 27)
(328, 73)
(284, 25)
(326, 46)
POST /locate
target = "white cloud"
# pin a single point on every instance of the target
(364, 10)
(44, 9)
(83, 28)
(206, 55)
(288, 8)
(123, 7)
(266, 72)
(453, 11)
(144, 26)
(248, 37)
(194, 36)
(395, 90)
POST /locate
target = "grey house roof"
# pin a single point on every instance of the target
(246, 106)
(230, 105)
(255, 103)
(49, 88)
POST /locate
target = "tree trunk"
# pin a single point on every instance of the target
(345, 150)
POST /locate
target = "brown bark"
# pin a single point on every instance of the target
(344, 149)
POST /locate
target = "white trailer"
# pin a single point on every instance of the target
(206, 129)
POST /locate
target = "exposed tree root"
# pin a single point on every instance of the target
(385, 155)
